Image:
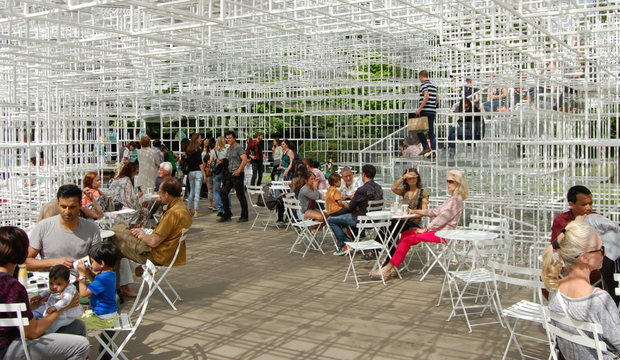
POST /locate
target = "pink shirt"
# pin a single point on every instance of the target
(447, 215)
(412, 151)
(320, 179)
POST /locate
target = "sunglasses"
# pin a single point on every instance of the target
(451, 181)
(601, 250)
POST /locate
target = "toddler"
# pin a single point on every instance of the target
(102, 289)
(333, 200)
(59, 295)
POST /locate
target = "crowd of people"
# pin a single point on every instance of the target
(584, 244)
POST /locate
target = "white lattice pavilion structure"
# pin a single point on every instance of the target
(79, 79)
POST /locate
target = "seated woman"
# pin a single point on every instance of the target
(121, 190)
(412, 149)
(446, 218)
(413, 195)
(93, 199)
(575, 254)
(308, 194)
(66, 343)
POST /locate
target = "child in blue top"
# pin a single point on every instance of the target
(102, 289)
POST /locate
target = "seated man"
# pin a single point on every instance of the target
(357, 207)
(160, 246)
(349, 184)
(165, 171)
(470, 127)
(63, 238)
(412, 149)
(580, 201)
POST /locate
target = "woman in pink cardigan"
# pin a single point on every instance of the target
(446, 218)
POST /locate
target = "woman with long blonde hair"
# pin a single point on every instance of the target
(219, 153)
(446, 218)
(576, 252)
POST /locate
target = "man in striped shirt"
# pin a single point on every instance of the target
(428, 108)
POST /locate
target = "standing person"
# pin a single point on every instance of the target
(170, 157)
(66, 343)
(149, 164)
(184, 145)
(258, 168)
(218, 153)
(126, 151)
(277, 152)
(428, 107)
(196, 177)
(446, 218)
(286, 163)
(575, 254)
(234, 179)
(157, 149)
(207, 160)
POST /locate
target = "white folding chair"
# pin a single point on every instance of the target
(381, 225)
(476, 274)
(124, 322)
(305, 236)
(17, 321)
(261, 211)
(553, 324)
(164, 269)
(523, 310)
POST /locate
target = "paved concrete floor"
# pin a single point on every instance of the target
(245, 297)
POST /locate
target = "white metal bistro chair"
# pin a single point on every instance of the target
(551, 323)
(523, 310)
(477, 276)
(164, 270)
(380, 223)
(124, 322)
(261, 211)
(17, 321)
(305, 236)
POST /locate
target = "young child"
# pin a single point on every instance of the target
(102, 289)
(59, 295)
(333, 200)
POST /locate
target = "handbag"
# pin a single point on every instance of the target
(417, 124)
(270, 202)
(184, 165)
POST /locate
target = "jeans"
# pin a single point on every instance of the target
(431, 131)
(257, 172)
(491, 105)
(195, 179)
(64, 344)
(217, 186)
(235, 182)
(457, 132)
(288, 176)
(335, 223)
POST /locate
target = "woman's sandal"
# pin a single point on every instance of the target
(377, 274)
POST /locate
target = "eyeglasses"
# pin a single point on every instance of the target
(451, 181)
(602, 250)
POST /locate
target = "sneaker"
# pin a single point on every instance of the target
(220, 214)
(223, 219)
(242, 219)
(342, 251)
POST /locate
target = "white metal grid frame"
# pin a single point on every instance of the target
(80, 78)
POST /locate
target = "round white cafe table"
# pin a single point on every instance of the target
(465, 235)
(149, 197)
(121, 212)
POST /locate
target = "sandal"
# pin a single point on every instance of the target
(377, 274)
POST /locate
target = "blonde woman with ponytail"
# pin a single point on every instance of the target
(576, 252)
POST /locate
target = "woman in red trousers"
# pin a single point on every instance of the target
(446, 218)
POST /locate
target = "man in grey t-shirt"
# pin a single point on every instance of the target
(237, 160)
(64, 238)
